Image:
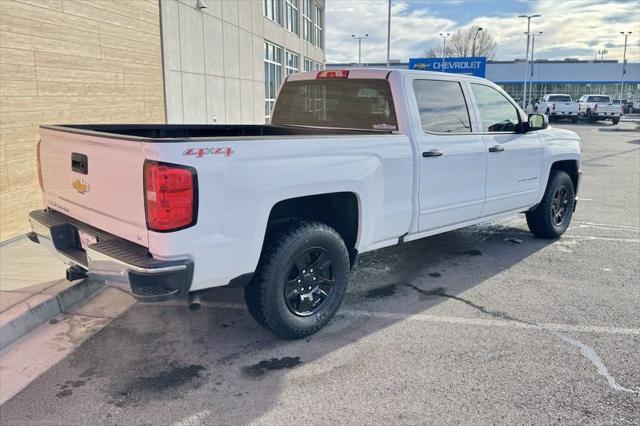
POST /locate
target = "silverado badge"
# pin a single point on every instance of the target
(81, 186)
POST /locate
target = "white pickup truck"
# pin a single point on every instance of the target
(352, 161)
(557, 106)
(599, 107)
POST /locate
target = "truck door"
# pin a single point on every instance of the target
(452, 160)
(514, 160)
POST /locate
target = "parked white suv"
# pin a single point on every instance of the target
(557, 106)
(599, 107)
(353, 160)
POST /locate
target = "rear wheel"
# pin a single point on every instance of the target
(301, 279)
(551, 218)
(615, 120)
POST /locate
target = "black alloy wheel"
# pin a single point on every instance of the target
(310, 282)
(559, 205)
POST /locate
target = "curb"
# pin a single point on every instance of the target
(39, 308)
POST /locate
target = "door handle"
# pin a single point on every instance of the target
(496, 148)
(432, 153)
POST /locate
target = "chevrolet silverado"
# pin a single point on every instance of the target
(351, 161)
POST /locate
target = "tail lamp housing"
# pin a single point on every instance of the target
(171, 196)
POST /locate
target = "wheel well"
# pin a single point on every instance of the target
(571, 168)
(338, 209)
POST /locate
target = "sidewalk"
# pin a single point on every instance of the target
(33, 289)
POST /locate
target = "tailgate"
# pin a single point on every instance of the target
(96, 180)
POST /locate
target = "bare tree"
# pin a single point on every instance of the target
(460, 44)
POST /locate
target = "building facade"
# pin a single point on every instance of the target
(224, 63)
(568, 76)
(142, 61)
(70, 62)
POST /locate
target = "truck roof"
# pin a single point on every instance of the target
(373, 72)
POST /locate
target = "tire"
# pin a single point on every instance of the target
(574, 119)
(551, 218)
(589, 117)
(283, 268)
(615, 120)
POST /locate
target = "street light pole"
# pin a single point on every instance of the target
(624, 64)
(444, 47)
(388, 34)
(359, 38)
(526, 58)
(533, 45)
(473, 50)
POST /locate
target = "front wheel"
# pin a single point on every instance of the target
(551, 218)
(301, 279)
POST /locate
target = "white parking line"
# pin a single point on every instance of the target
(448, 320)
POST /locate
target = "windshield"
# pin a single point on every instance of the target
(560, 98)
(363, 104)
(599, 99)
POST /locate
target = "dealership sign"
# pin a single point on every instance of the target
(470, 66)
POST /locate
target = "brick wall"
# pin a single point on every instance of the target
(70, 61)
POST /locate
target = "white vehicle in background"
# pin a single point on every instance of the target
(599, 107)
(557, 106)
(352, 161)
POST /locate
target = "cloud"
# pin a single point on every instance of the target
(571, 28)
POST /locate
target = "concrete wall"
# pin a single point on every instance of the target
(214, 59)
(70, 61)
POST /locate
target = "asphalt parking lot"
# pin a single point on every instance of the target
(481, 325)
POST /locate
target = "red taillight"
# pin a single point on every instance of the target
(38, 166)
(170, 196)
(333, 74)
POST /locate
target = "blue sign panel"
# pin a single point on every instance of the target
(470, 66)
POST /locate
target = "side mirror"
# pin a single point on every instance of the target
(537, 122)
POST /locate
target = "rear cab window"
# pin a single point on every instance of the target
(601, 99)
(559, 98)
(338, 103)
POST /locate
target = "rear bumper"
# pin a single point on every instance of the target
(111, 259)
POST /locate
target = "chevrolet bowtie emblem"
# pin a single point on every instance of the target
(81, 186)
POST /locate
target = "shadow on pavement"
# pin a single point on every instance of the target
(164, 364)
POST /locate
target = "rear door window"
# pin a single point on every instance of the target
(442, 106)
(361, 104)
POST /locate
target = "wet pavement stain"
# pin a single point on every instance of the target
(156, 385)
(259, 369)
(167, 379)
(472, 252)
(387, 290)
(64, 393)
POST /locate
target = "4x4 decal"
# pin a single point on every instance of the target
(227, 151)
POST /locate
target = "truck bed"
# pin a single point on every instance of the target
(171, 132)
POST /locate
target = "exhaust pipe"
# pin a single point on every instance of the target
(194, 302)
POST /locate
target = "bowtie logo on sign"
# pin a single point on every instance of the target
(475, 66)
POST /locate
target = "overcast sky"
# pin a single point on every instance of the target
(572, 28)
